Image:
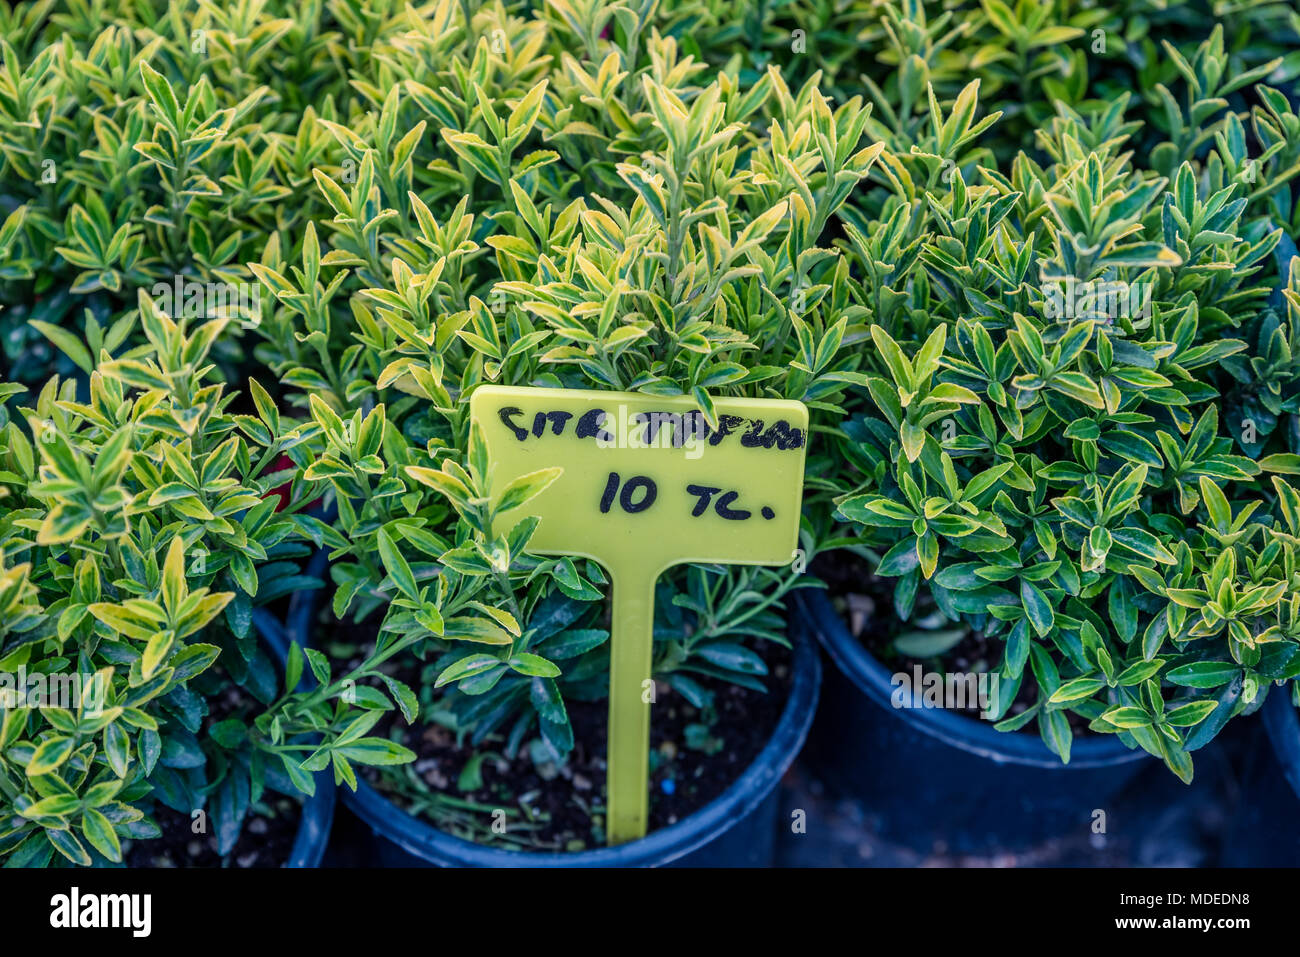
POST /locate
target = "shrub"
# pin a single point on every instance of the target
(1073, 414)
(692, 266)
(148, 526)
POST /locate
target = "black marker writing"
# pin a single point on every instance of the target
(557, 420)
(657, 429)
(627, 498)
(630, 489)
(590, 426)
(705, 492)
(507, 415)
(725, 511)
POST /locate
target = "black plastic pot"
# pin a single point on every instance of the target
(939, 780)
(318, 809)
(1263, 828)
(1283, 724)
(737, 829)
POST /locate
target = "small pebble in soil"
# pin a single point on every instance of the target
(436, 779)
(437, 735)
(257, 825)
(581, 782)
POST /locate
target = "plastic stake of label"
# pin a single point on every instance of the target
(646, 484)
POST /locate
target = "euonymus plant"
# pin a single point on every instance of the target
(692, 267)
(140, 529)
(1079, 427)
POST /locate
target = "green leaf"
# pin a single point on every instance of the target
(575, 642)
(1076, 689)
(1127, 717)
(160, 92)
(928, 644)
(173, 579)
(99, 832)
(524, 115)
(375, 751)
(533, 665)
(155, 652)
(526, 487)
(70, 345)
(732, 657)
(1037, 608)
(1203, 674)
(66, 843)
(50, 755)
(466, 667)
(1284, 462)
(397, 567)
(1192, 713)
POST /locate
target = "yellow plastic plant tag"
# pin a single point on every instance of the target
(646, 484)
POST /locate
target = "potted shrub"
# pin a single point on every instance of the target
(1069, 469)
(144, 722)
(662, 234)
(456, 597)
(510, 758)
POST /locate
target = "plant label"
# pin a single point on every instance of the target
(647, 483)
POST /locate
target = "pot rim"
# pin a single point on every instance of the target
(872, 678)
